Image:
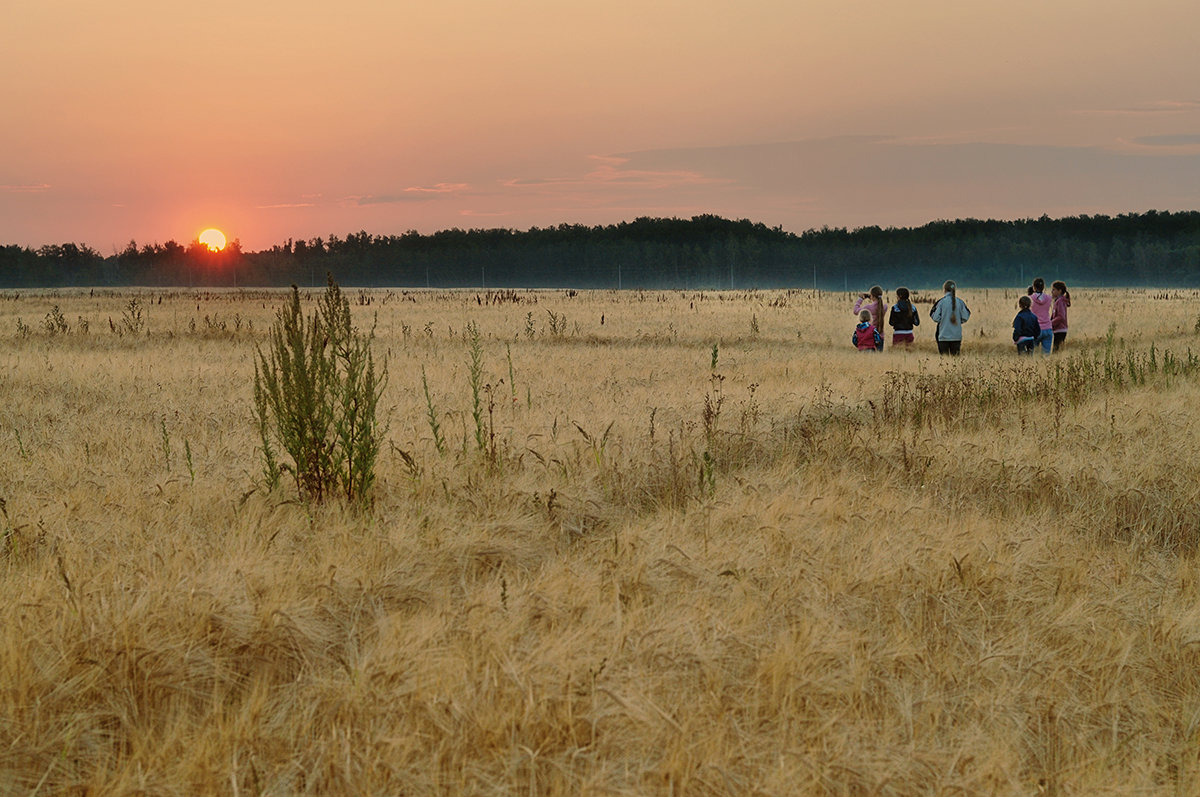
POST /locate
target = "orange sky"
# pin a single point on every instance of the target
(271, 120)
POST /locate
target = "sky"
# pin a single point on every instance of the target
(274, 120)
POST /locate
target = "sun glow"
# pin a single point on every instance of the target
(213, 238)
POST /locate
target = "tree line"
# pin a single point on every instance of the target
(705, 252)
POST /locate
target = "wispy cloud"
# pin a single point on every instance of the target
(611, 171)
(29, 188)
(415, 194)
(286, 205)
(1183, 140)
(1159, 106)
(485, 214)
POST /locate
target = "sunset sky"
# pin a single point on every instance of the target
(139, 119)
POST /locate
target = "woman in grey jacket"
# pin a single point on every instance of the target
(949, 313)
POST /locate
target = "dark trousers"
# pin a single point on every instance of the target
(1059, 337)
(949, 346)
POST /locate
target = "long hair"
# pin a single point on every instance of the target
(1039, 285)
(877, 294)
(950, 286)
(904, 305)
(1061, 287)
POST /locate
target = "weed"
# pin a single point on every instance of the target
(512, 377)
(714, 399)
(475, 377)
(316, 394)
(55, 323)
(558, 323)
(439, 442)
(133, 319)
(187, 456)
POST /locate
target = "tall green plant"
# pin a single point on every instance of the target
(316, 396)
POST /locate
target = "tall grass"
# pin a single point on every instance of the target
(822, 573)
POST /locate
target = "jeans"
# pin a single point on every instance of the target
(1046, 338)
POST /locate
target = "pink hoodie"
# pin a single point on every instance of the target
(1041, 308)
(1058, 318)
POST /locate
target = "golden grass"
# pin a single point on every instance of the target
(998, 595)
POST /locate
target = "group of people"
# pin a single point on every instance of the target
(1042, 319)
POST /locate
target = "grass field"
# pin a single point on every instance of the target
(685, 543)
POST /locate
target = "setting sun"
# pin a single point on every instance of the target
(213, 238)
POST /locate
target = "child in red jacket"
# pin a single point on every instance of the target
(866, 336)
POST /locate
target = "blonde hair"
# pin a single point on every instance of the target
(865, 315)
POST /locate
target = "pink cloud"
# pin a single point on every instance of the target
(32, 188)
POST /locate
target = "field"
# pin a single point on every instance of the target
(674, 543)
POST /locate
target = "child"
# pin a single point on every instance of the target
(866, 337)
(1058, 313)
(902, 319)
(1026, 329)
(872, 302)
(949, 313)
(1041, 308)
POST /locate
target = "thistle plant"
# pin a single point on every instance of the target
(475, 375)
(439, 441)
(316, 395)
(55, 322)
(133, 320)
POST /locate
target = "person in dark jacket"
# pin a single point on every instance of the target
(1026, 329)
(902, 319)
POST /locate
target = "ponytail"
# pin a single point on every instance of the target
(877, 293)
(949, 286)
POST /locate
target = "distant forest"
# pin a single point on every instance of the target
(705, 252)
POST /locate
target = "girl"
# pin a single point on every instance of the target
(1058, 313)
(866, 337)
(949, 313)
(1025, 327)
(1041, 309)
(903, 318)
(872, 302)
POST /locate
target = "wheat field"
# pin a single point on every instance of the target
(677, 543)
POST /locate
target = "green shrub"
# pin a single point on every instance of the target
(316, 394)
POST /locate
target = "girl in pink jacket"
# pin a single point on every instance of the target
(1058, 313)
(1041, 308)
(872, 302)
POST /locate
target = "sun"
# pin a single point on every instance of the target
(213, 238)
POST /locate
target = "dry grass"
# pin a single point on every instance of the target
(812, 572)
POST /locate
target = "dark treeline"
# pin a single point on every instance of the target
(705, 252)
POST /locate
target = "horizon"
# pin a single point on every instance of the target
(235, 242)
(151, 124)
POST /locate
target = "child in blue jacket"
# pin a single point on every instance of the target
(1026, 328)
